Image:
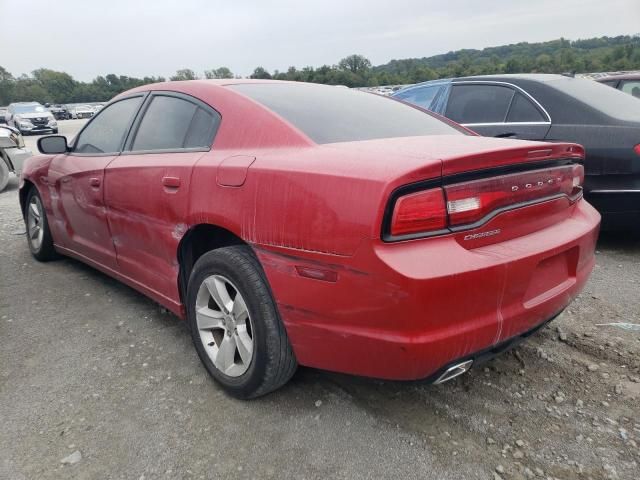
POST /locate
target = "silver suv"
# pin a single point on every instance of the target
(31, 117)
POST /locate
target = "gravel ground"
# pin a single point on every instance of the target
(96, 381)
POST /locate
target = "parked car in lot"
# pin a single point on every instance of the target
(31, 117)
(628, 83)
(294, 223)
(12, 154)
(81, 111)
(4, 111)
(553, 108)
(59, 111)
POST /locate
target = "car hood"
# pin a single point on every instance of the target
(34, 115)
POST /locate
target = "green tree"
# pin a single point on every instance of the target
(357, 64)
(222, 72)
(260, 72)
(185, 74)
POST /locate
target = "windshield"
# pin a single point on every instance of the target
(327, 114)
(35, 108)
(609, 101)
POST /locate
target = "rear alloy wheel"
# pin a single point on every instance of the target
(235, 325)
(224, 325)
(38, 233)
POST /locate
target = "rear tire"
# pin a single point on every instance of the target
(232, 277)
(38, 233)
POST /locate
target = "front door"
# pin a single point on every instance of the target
(77, 180)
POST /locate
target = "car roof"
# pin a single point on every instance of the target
(620, 76)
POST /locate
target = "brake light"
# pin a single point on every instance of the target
(637, 149)
(419, 212)
(470, 202)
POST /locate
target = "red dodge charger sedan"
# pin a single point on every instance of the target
(300, 224)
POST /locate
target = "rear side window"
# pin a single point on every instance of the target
(632, 87)
(328, 114)
(523, 110)
(479, 103)
(171, 123)
(420, 96)
(105, 133)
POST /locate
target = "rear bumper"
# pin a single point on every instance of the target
(405, 311)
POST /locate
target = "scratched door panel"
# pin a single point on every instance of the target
(147, 196)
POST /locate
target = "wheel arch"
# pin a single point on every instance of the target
(23, 194)
(197, 241)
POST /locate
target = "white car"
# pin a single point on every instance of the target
(81, 111)
(12, 154)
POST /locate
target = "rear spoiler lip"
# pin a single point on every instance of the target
(459, 178)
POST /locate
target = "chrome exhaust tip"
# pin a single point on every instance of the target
(453, 372)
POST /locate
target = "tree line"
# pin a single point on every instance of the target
(556, 56)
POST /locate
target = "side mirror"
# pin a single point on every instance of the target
(53, 144)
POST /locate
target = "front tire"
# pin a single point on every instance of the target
(38, 232)
(235, 325)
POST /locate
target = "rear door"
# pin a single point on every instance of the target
(497, 109)
(147, 187)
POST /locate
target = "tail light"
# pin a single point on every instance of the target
(419, 212)
(471, 202)
(468, 204)
(637, 149)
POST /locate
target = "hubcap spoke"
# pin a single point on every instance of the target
(226, 354)
(239, 309)
(209, 319)
(245, 344)
(218, 291)
(35, 210)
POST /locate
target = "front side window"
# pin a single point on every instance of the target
(171, 123)
(479, 103)
(420, 96)
(106, 132)
(523, 110)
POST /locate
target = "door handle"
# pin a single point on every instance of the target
(94, 182)
(171, 182)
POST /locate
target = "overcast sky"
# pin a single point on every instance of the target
(87, 38)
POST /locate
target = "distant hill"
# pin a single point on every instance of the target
(555, 56)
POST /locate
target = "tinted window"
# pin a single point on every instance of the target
(523, 110)
(479, 103)
(172, 123)
(105, 133)
(609, 101)
(421, 96)
(328, 114)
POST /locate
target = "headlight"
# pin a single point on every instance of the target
(52, 122)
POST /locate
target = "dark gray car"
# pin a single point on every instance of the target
(553, 108)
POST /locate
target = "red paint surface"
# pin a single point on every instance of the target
(392, 310)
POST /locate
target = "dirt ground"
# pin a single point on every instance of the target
(94, 374)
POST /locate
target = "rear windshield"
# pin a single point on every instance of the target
(328, 114)
(609, 101)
